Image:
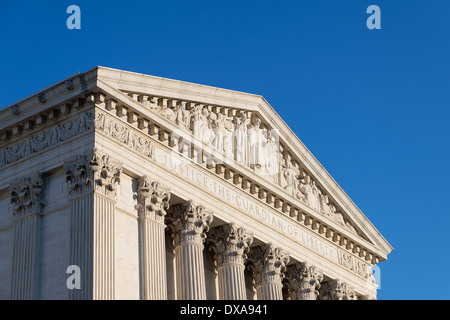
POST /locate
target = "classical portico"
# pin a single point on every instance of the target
(162, 189)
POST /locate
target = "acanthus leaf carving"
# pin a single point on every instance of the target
(153, 200)
(336, 290)
(303, 281)
(27, 196)
(268, 263)
(189, 223)
(230, 244)
(92, 171)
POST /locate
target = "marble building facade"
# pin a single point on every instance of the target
(163, 189)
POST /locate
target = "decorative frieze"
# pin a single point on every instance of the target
(48, 138)
(123, 134)
(303, 281)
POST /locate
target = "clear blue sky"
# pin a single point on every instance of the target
(373, 106)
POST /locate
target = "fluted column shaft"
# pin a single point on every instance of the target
(153, 260)
(190, 272)
(81, 244)
(269, 291)
(92, 246)
(26, 199)
(25, 258)
(153, 202)
(268, 264)
(230, 245)
(188, 224)
(232, 282)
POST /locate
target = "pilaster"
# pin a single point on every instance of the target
(27, 202)
(93, 178)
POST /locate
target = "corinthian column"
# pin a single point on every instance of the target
(268, 264)
(92, 179)
(230, 245)
(26, 200)
(153, 202)
(188, 224)
(303, 281)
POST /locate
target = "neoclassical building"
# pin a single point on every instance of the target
(119, 185)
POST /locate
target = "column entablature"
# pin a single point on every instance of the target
(291, 206)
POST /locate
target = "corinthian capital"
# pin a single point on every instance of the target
(189, 223)
(27, 196)
(303, 281)
(268, 263)
(333, 290)
(153, 200)
(230, 244)
(93, 171)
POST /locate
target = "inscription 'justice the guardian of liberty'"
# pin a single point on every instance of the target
(180, 166)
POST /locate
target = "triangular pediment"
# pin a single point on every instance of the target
(276, 159)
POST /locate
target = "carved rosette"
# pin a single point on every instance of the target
(303, 281)
(230, 244)
(268, 264)
(188, 223)
(93, 171)
(153, 200)
(336, 290)
(27, 196)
